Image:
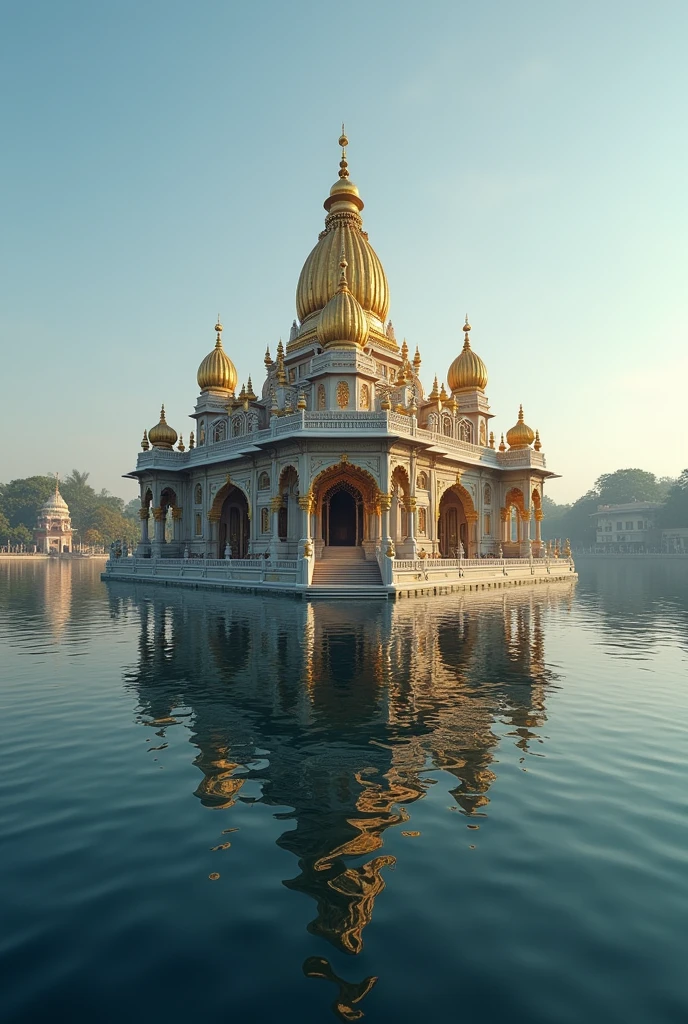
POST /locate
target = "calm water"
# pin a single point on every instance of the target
(449, 810)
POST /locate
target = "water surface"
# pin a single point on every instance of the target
(453, 809)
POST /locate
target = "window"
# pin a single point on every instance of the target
(264, 520)
(487, 497)
(422, 481)
(219, 432)
(466, 431)
(608, 527)
(629, 526)
(446, 426)
(198, 524)
(641, 525)
(422, 521)
(487, 530)
(619, 526)
(264, 482)
(237, 427)
(292, 374)
(198, 495)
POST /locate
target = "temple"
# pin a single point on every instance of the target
(53, 531)
(344, 470)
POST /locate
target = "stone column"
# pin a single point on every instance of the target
(306, 505)
(214, 538)
(144, 515)
(275, 506)
(410, 506)
(387, 546)
(504, 517)
(539, 516)
(472, 534)
(176, 524)
(159, 532)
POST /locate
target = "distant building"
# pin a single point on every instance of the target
(627, 528)
(53, 533)
(675, 540)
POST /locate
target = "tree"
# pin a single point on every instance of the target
(552, 523)
(674, 512)
(21, 499)
(21, 535)
(77, 479)
(93, 538)
(578, 524)
(626, 485)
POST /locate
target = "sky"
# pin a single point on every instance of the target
(163, 161)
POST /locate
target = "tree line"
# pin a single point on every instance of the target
(98, 517)
(576, 520)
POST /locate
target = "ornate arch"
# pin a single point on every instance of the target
(283, 471)
(215, 510)
(348, 472)
(400, 476)
(168, 497)
(514, 499)
(147, 499)
(466, 500)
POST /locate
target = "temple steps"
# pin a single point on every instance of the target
(346, 568)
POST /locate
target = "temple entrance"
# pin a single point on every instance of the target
(453, 527)
(342, 519)
(234, 526)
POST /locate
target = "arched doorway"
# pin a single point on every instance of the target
(342, 518)
(234, 525)
(453, 526)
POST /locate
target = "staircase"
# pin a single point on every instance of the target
(344, 572)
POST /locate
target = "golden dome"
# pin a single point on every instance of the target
(468, 370)
(162, 435)
(520, 435)
(342, 323)
(217, 370)
(343, 233)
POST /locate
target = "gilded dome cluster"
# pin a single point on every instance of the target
(520, 435)
(342, 323)
(343, 232)
(162, 435)
(217, 371)
(468, 370)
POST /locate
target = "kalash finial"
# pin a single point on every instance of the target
(343, 165)
(343, 283)
(218, 328)
(466, 329)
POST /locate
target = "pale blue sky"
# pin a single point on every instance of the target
(524, 163)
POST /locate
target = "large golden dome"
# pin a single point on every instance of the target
(217, 370)
(343, 233)
(342, 323)
(468, 370)
(162, 435)
(520, 435)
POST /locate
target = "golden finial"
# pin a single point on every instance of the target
(192, 441)
(268, 358)
(180, 446)
(218, 328)
(404, 350)
(249, 391)
(301, 404)
(443, 393)
(502, 446)
(144, 441)
(343, 283)
(538, 444)
(280, 348)
(343, 165)
(162, 413)
(435, 393)
(492, 440)
(520, 414)
(416, 359)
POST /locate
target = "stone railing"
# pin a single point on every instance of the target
(382, 422)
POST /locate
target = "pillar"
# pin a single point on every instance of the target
(410, 505)
(275, 506)
(306, 504)
(214, 538)
(539, 516)
(159, 529)
(176, 524)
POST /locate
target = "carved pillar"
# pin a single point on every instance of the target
(176, 523)
(472, 532)
(214, 524)
(504, 517)
(159, 531)
(144, 515)
(275, 506)
(410, 506)
(385, 505)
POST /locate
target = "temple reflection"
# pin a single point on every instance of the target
(343, 713)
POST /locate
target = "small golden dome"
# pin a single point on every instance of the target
(162, 435)
(520, 435)
(342, 322)
(217, 370)
(468, 370)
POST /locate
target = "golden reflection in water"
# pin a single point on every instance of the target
(355, 707)
(349, 992)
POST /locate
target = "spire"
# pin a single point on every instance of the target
(144, 441)
(57, 480)
(268, 359)
(416, 360)
(502, 446)
(180, 446)
(218, 328)
(343, 283)
(343, 164)
(538, 443)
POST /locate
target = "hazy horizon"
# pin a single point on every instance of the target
(165, 162)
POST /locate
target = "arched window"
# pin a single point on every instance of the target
(422, 521)
(198, 495)
(201, 432)
(264, 520)
(237, 427)
(447, 426)
(219, 431)
(198, 520)
(483, 433)
(422, 481)
(264, 482)
(487, 495)
(466, 431)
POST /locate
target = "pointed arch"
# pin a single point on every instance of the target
(400, 476)
(219, 499)
(466, 500)
(514, 497)
(287, 475)
(346, 470)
